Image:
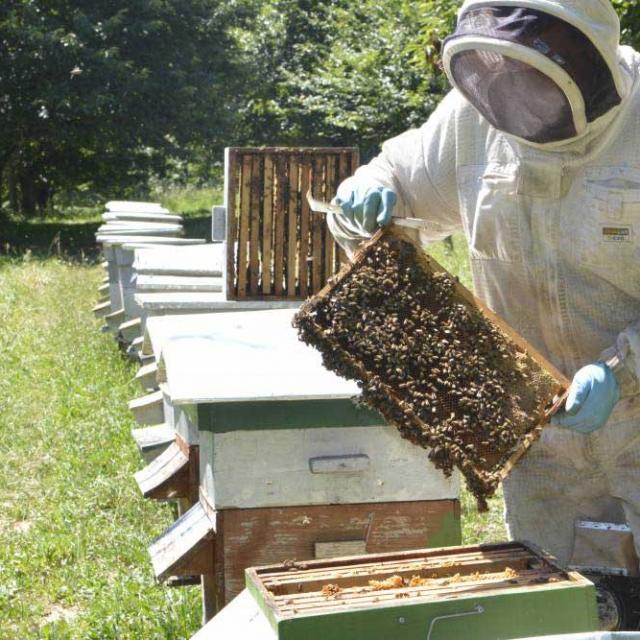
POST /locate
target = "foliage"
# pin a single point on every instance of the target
(353, 73)
(96, 95)
(342, 72)
(629, 12)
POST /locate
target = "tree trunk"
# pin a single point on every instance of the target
(3, 213)
(12, 185)
(28, 196)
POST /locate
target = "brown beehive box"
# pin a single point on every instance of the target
(433, 360)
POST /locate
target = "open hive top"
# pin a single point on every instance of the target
(434, 361)
(327, 586)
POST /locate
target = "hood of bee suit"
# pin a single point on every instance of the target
(547, 72)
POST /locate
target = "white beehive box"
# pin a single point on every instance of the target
(277, 429)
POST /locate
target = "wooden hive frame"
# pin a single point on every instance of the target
(294, 591)
(468, 298)
(276, 248)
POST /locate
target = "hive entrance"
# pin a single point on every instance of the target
(432, 360)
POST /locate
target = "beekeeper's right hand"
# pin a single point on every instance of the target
(364, 208)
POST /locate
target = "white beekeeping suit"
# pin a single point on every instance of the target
(551, 211)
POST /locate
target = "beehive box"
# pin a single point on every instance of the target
(437, 363)
(278, 430)
(289, 466)
(487, 592)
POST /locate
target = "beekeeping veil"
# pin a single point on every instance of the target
(544, 71)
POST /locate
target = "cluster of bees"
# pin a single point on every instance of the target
(429, 362)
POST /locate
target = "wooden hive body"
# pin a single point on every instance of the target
(289, 466)
(341, 322)
(487, 592)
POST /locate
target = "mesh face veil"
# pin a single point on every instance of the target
(529, 73)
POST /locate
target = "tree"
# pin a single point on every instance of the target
(347, 72)
(96, 95)
(342, 72)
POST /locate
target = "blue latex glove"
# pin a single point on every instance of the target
(367, 209)
(593, 394)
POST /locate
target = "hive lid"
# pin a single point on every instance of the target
(158, 329)
(246, 357)
(240, 619)
(167, 477)
(186, 547)
(160, 283)
(205, 260)
(153, 439)
(126, 225)
(143, 217)
(168, 301)
(129, 206)
(151, 239)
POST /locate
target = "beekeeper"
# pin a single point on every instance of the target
(535, 154)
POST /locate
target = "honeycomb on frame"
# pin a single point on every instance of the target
(433, 360)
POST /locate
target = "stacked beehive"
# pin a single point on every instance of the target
(127, 226)
(262, 448)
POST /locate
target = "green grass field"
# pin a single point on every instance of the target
(73, 528)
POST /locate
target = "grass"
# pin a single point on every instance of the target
(74, 530)
(189, 201)
(73, 527)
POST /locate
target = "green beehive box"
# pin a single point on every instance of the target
(489, 592)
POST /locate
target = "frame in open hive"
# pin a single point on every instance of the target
(362, 597)
(433, 360)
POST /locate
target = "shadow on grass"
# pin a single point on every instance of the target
(70, 240)
(198, 226)
(42, 238)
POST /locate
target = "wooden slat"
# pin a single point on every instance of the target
(437, 577)
(243, 236)
(301, 151)
(292, 232)
(441, 566)
(329, 242)
(360, 599)
(345, 164)
(279, 223)
(317, 225)
(255, 228)
(439, 554)
(267, 226)
(232, 171)
(305, 230)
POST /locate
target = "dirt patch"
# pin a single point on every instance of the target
(58, 613)
(22, 526)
